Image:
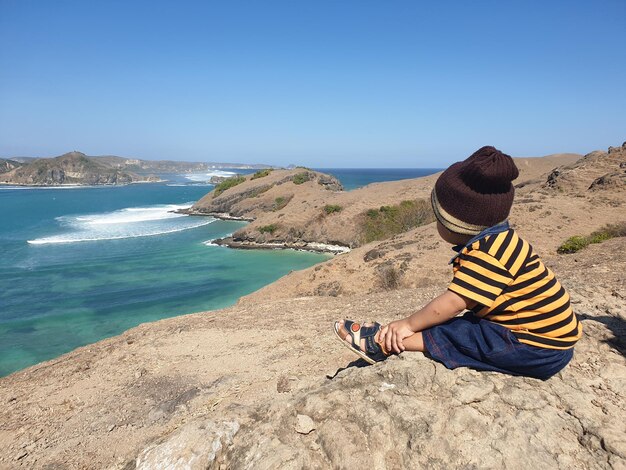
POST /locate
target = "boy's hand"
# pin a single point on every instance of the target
(391, 336)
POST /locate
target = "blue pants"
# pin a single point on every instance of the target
(469, 341)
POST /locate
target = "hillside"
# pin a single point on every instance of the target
(225, 389)
(8, 165)
(70, 168)
(317, 211)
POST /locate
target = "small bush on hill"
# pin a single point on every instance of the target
(227, 184)
(389, 277)
(300, 178)
(332, 208)
(378, 224)
(281, 201)
(261, 173)
(271, 228)
(577, 242)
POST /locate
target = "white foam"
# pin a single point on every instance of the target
(326, 247)
(130, 222)
(129, 215)
(204, 177)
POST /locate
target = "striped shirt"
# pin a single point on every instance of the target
(514, 289)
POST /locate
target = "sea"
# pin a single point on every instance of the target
(80, 264)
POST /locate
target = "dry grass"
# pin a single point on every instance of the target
(382, 223)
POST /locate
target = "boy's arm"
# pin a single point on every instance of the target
(439, 310)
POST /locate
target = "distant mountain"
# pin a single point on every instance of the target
(78, 168)
(70, 168)
(169, 166)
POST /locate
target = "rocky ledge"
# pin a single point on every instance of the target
(299, 245)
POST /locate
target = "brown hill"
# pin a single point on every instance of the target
(224, 389)
(317, 211)
(70, 168)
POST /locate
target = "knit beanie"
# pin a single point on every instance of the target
(476, 193)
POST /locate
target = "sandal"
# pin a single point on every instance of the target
(374, 352)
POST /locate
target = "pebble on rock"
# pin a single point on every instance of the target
(304, 424)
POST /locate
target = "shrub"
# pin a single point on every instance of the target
(300, 178)
(389, 277)
(577, 242)
(573, 244)
(227, 184)
(378, 224)
(332, 208)
(261, 173)
(280, 202)
(271, 228)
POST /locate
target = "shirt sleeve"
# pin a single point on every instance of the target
(480, 277)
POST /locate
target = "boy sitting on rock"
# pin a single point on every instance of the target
(519, 322)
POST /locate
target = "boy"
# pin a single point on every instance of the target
(520, 320)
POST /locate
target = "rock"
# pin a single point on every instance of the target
(217, 179)
(193, 447)
(412, 412)
(329, 182)
(553, 177)
(614, 181)
(304, 424)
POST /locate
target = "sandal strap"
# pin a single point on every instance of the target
(354, 335)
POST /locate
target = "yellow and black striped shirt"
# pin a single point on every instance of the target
(514, 289)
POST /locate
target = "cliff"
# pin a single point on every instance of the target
(8, 165)
(265, 384)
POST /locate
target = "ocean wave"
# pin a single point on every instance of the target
(189, 184)
(131, 222)
(128, 215)
(204, 177)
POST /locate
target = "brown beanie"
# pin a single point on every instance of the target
(476, 193)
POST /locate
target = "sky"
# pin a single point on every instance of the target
(321, 83)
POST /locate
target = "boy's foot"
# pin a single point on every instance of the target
(362, 339)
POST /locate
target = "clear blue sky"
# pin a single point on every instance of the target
(319, 83)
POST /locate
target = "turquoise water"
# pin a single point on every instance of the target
(102, 260)
(82, 264)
